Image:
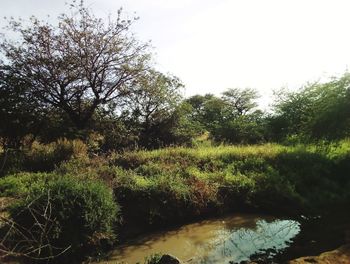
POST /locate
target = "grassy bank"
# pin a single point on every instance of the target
(174, 185)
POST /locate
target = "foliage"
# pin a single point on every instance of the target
(94, 77)
(317, 111)
(307, 177)
(62, 214)
(19, 111)
(242, 130)
(86, 76)
(41, 157)
(177, 184)
(154, 108)
(18, 185)
(78, 65)
(87, 125)
(241, 101)
(208, 111)
(232, 118)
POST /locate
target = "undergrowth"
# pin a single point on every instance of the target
(178, 184)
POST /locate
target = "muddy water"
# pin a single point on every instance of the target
(224, 240)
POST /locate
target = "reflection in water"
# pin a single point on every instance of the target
(239, 244)
(233, 238)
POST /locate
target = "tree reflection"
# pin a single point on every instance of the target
(236, 245)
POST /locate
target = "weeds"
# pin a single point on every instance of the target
(173, 185)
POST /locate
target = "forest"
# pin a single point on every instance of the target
(98, 146)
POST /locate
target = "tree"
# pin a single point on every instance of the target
(242, 101)
(231, 118)
(152, 102)
(316, 111)
(292, 112)
(331, 109)
(20, 113)
(197, 103)
(79, 65)
(153, 97)
(208, 110)
(244, 129)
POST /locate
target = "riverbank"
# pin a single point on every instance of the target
(178, 185)
(237, 238)
(155, 189)
(233, 238)
(340, 255)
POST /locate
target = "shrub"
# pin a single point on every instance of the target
(11, 161)
(18, 185)
(64, 215)
(40, 157)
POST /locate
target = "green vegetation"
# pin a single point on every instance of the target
(95, 142)
(173, 185)
(318, 111)
(265, 176)
(153, 259)
(38, 157)
(60, 214)
(126, 104)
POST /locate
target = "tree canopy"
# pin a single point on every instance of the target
(86, 75)
(78, 65)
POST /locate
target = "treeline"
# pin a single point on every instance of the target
(157, 116)
(317, 111)
(72, 96)
(92, 80)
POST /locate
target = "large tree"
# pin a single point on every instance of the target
(152, 104)
(154, 97)
(78, 65)
(208, 110)
(241, 101)
(316, 111)
(231, 118)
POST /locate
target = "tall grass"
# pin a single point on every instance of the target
(259, 175)
(38, 157)
(177, 184)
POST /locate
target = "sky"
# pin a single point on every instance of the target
(212, 45)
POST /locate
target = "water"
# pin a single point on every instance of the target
(222, 240)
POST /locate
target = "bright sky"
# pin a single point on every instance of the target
(212, 45)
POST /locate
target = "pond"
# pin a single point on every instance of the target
(230, 239)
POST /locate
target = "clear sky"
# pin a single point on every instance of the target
(212, 45)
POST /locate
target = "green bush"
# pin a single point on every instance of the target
(64, 215)
(45, 157)
(38, 157)
(174, 185)
(19, 184)
(269, 177)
